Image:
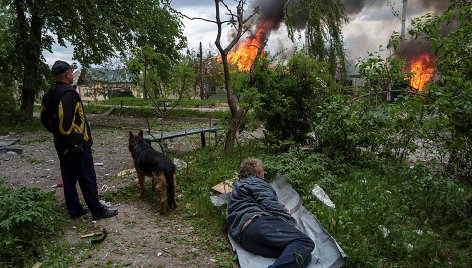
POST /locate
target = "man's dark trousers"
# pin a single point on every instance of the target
(79, 167)
(272, 237)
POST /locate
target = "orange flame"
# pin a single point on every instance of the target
(246, 51)
(422, 69)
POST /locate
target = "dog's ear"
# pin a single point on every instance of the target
(131, 135)
(140, 133)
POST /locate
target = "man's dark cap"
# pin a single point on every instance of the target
(60, 67)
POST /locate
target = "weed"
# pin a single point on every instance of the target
(386, 213)
(7, 126)
(35, 140)
(28, 218)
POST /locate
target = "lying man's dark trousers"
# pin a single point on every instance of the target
(272, 237)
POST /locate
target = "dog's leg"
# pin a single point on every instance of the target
(140, 177)
(160, 188)
(141, 183)
(174, 181)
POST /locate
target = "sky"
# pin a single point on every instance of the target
(371, 22)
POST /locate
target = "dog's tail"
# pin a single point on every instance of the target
(171, 187)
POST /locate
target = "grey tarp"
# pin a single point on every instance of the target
(327, 252)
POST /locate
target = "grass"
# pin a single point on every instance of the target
(132, 101)
(152, 112)
(22, 126)
(34, 140)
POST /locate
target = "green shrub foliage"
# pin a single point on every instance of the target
(27, 219)
(290, 95)
(10, 110)
(450, 99)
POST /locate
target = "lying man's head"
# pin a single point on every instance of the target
(251, 167)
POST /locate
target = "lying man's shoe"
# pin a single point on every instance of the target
(82, 213)
(108, 214)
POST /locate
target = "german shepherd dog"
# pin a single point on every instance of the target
(151, 163)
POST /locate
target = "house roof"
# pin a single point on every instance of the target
(94, 75)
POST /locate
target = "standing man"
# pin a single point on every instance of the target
(261, 224)
(62, 114)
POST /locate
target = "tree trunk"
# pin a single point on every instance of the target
(236, 112)
(202, 92)
(30, 37)
(145, 95)
(230, 137)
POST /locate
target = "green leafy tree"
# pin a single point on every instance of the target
(322, 21)
(184, 80)
(384, 78)
(7, 46)
(96, 29)
(157, 84)
(212, 74)
(156, 48)
(9, 112)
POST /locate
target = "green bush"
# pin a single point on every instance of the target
(290, 96)
(450, 98)
(10, 113)
(28, 217)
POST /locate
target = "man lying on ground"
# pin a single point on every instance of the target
(261, 224)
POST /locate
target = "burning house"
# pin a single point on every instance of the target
(419, 61)
(417, 53)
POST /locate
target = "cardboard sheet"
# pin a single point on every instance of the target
(224, 187)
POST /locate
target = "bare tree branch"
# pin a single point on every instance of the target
(187, 17)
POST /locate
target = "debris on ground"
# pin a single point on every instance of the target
(224, 187)
(180, 164)
(100, 236)
(322, 196)
(126, 172)
(57, 185)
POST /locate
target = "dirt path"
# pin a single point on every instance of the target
(139, 236)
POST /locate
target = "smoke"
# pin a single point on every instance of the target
(270, 15)
(353, 7)
(371, 25)
(410, 49)
(435, 5)
(271, 12)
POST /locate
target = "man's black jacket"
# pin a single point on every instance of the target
(62, 114)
